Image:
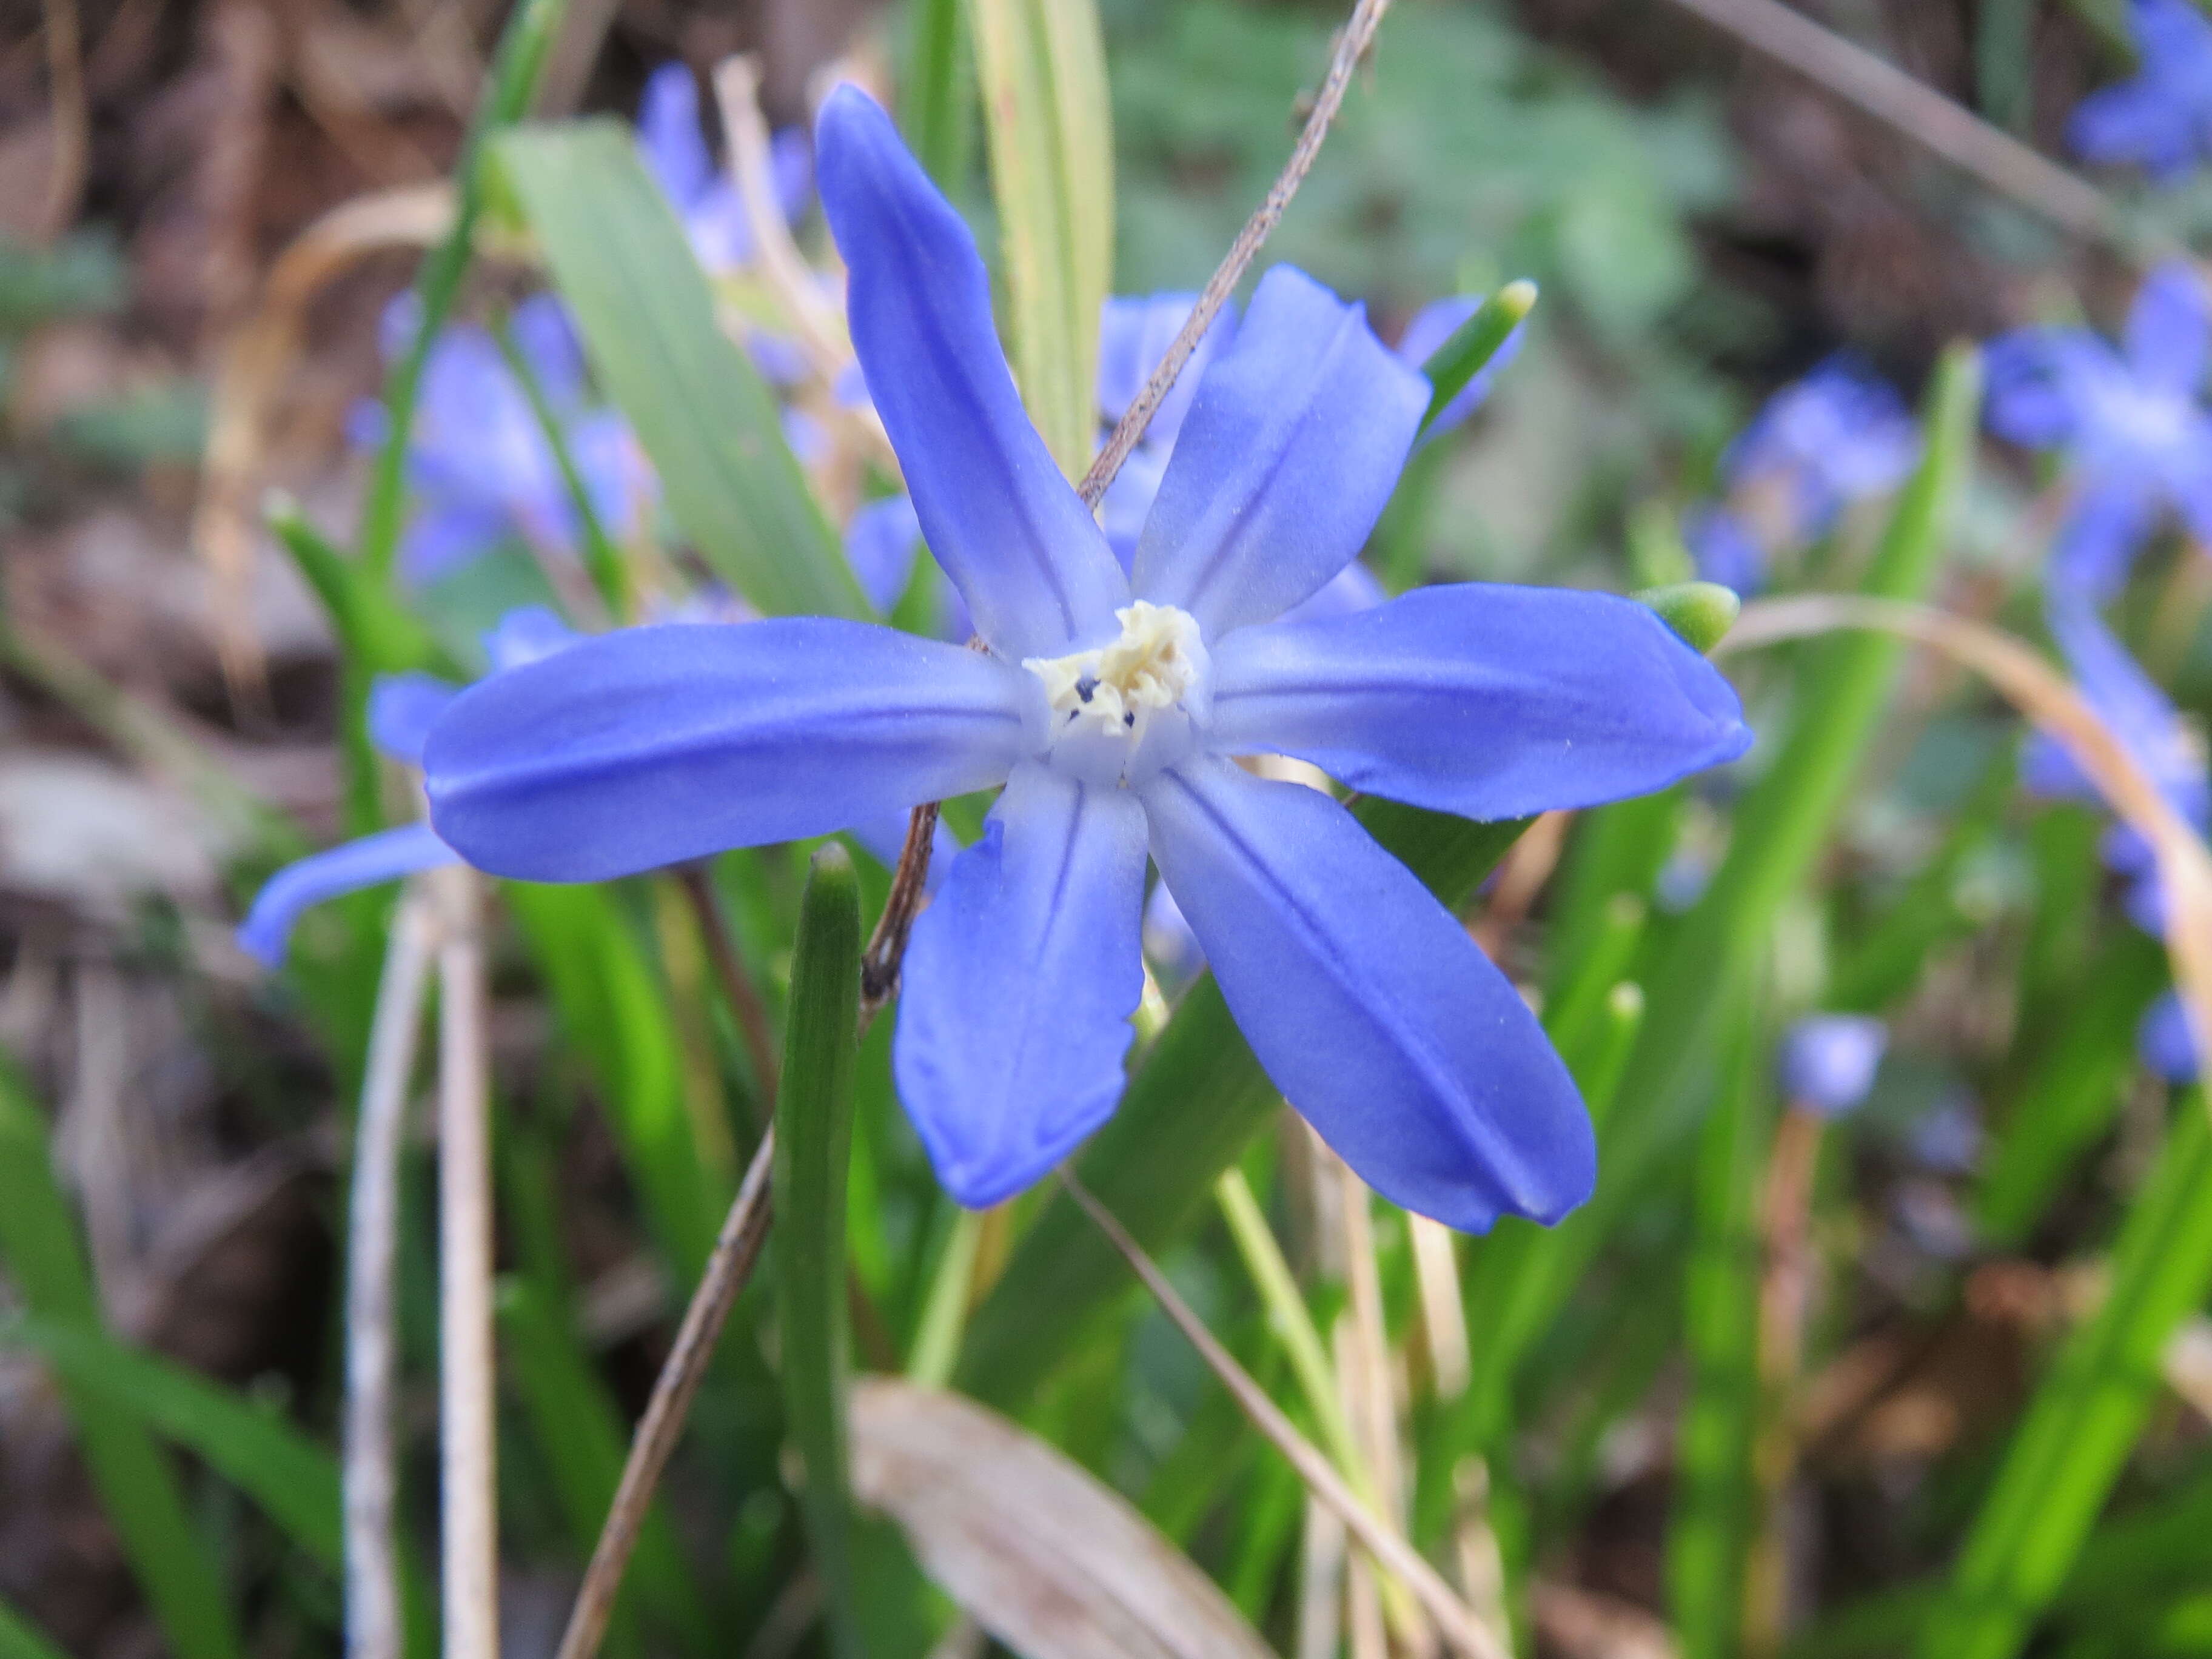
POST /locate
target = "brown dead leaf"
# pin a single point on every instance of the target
(1046, 1559)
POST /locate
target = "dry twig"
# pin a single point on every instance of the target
(72, 118)
(735, 1248)
(698, 881)
(879, 963)
(1387, 1547)
(1352, 43)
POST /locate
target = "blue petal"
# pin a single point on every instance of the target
(653, 745)
(545, 337)
(1352, 589)
(1134, 334)
(1725, 549)
(345, 869)
(1489, 701)
(2097, 546)
(1010, 530)
(401, 709)
(1829, 1060)
(1292, 447)
(721, 229)
(791, 170)
(1169, 946)
(527, 634)
(668, 132)
(1369, 1006)
(2140, 715)
(880, 544)
(1019, 984)
(2165, 1043)
(447, 535)
(2168, 327)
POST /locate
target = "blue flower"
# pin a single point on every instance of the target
(401, 710)
(477, 458)
(2146, 721)
(2162, 116)
(1828, 1061)
(1110, 706)
(2138, 437)
(675, 149)
(2165, 1042)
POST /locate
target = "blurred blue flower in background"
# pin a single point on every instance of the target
(2136, 436)
(401, 710)
(2165, 1041)
(1109, 705)
(2143, 719)
(478, 456)
(674, 144)
(1836, 436)
(2161, 116)
(1828, 1061)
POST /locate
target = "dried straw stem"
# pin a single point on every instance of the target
(1352, 43)
(372, 1608)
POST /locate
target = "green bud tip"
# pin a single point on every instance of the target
(1701, 612)
(1518, 298)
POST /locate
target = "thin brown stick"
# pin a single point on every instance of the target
(736, 1250)
(879, 963)
(1352, 43)
(1387, 1547)
(373, 1616)
(1922, 114)
(468, 1483)
(72, 118)
(698, 881)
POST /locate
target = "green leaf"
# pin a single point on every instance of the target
(2086, 1415)
(1711, 1531)
(937, 95)
(507, 91)
(22, 1639)
(1473, 343)
(137, 1487)
(813, 1163)
(611, 1006)
(1195, 1103)
(1042, 65)
(294, 1480)
(1779, 829)
(700, 409)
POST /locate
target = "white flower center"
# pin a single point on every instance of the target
(1121, 712)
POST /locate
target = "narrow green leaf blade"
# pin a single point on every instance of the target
(813, 1163)
(2088, 1412)
(1473, 343)
(22, 1639)
(936, 96)
(137, 1487)
(699, 407)
(1042, 65)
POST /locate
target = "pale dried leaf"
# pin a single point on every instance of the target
(1050, 1562)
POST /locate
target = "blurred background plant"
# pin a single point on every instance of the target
(1885, 1331)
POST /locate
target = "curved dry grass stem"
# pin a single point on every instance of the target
(1922, 114)
(1382, 1542)
(254, 362)
(372, 1608)
(737, 1247)
(754, 1028)
(1352, 45)
(2049, 699)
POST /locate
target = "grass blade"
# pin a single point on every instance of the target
(937, 98)
(813, 1161)
(2087, 1414)
(1472, 344)
(1709, 1539)
(21, 1639)
(137, 1487)
(1042, 65)
(508, 88)
(699, 407)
